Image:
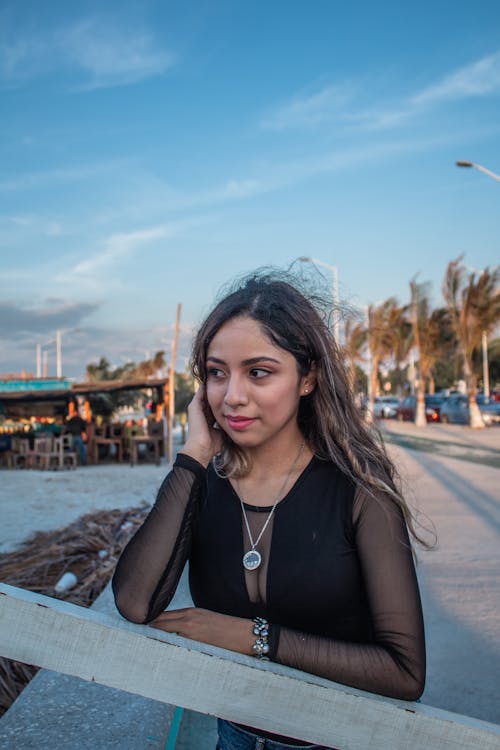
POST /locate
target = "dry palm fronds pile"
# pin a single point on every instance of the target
(88, 548)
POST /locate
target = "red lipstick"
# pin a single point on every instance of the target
(239, 423)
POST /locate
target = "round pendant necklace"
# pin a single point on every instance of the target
(252, 559)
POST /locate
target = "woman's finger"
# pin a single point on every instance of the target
(181, 622)
(168, 613)
(173, 616)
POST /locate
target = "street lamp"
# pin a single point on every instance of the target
(480, 168)
(42, 358)
(41, 353)
(335, 290)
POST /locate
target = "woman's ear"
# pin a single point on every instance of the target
(308, 382)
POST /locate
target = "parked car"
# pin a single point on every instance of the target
(494, 395)
(407, 407)
(385, 407)
(435, 401)
(456, 409)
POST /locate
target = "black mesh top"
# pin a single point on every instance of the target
(337, 582)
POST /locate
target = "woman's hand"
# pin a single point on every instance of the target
(203, 440)
(224, 631)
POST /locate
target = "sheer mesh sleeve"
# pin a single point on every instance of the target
(151, 564)
(394, 663)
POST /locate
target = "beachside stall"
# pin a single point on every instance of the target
(34, 423)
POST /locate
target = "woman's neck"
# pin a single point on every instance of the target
(277, 454)
(275, 467)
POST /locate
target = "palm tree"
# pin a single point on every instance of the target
(402, 340)
(99, 371)
(446, 365)
(149, 368)
(354, 344)
(473, 299)
(380, 339)
(426, 337)
(159, 363)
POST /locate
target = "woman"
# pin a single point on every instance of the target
(287, 509)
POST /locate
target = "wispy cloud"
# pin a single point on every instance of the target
(115, 249)
(31, 223)
(275, 175)
(113, 57)
(96, 51)
(23, 58)
(72, 173)
(20, 233)
(21, 221)
(480, 78)
(156, 198)
(477, 79)
(230, 190)
(309, 110)
(345, 158)
(343, 104)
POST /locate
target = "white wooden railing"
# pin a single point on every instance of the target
(108, 650)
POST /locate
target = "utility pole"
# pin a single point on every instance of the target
(58, 355)
(39, 360)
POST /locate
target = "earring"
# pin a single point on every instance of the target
(306, 390)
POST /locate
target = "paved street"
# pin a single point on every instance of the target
(460, 578)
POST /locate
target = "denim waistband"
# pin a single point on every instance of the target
(232, 737)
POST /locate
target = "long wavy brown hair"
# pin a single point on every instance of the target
(329, 419)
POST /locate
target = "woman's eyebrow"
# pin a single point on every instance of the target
(256, 360)
(246, 362)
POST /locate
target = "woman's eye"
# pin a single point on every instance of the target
(214, 372)
(258, 372)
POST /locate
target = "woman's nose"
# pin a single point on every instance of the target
(235, 392)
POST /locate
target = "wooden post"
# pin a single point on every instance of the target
(171, 387)
(87, 411)
(105, 649)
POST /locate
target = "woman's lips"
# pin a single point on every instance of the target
(239, 423)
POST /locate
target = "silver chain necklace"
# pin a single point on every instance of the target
(252, 559)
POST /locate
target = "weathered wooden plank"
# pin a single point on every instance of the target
(107, 650)
(62, 712)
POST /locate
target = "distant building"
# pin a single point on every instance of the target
(10, 383)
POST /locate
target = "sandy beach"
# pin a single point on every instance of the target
(47, 500)
(460, 578)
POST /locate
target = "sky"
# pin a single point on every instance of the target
(152, 151)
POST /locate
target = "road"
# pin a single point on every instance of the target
(460, 577)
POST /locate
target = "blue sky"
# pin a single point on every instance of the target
(152, 151)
